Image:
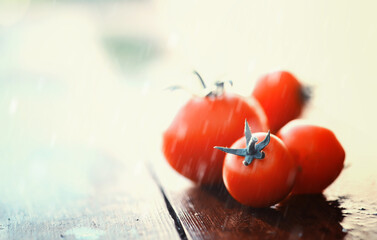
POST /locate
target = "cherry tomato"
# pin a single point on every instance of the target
(203, 123)
(256, 178)
(317, 151)
(281, 96)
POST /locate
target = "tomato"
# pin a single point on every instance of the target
(317, 151)
(202, 123)
(269, 177)
(281, 96)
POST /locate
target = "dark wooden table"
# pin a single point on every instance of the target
(82, 111)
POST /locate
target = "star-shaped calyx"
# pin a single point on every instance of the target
(252, 150)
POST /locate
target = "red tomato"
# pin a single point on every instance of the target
(203, 123)
(317, 151)
(267, 180)
(282, 97)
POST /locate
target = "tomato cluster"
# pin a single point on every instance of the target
(260, 169)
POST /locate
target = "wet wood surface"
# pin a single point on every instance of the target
(118, 202)
(110, 212)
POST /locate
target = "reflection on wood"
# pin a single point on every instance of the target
(214, 214)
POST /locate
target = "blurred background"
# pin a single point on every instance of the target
(82, 83)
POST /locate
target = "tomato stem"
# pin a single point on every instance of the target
(201, 79)
(252, 150)
(217, 91)
(306, 93)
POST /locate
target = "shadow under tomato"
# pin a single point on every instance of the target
(299, 217)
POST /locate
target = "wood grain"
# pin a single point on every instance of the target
(122, 205)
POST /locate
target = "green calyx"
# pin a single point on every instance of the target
(252, 150)
(217, 91)
(209, 92)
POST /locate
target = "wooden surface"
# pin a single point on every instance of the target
(82, 110)
(120, 205)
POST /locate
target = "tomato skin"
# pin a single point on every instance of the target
(203, 123)
(281, 96)
(317, 151)
(264, 182)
